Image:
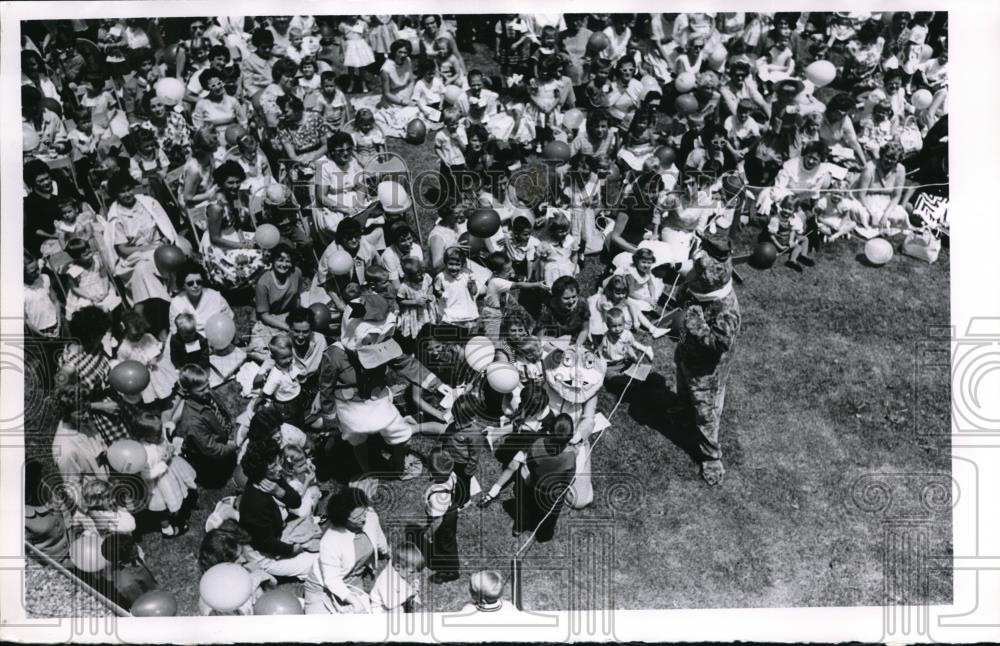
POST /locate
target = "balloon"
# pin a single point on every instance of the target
(878, 251)
(234, 133)
(220, 331)
(926, 52)
(717, 57)
(416, 132)
(29, 138)
(85, 552)
(278, 602)
(129, 377)
(341, 263)
(650, 84)
(479, 352)
(922, 99)
(821, 73)
(685, 82)
(169, 258)
(557, 151)
(686, 104)
(321, 316)
(484, 223)
(598, 41)
(763, 256)
(267, 236)
(393, 197)
(573, 118)
(502, 377)
(276, 194)
(126, 456)
(452, 94)
(666, 155)
(155, 603)
(225, 587)
(170, 91)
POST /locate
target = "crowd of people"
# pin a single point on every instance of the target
(179, 171)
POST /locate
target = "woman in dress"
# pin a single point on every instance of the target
(197, 299)
(218, 109)
(450, 224)
(302, 135)
(231, 258)
(341, 191)
(626, 92)
(349, 554)
(395, 109)
(880, 189)
(638, 220)
(277, 293)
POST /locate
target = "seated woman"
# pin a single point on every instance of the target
(640, 218)
(340, 187)
(278, 292)
(197, 299)
(263, 511)
(565, 314)
(395, 108)
(217, 109)
(198, 188)
(231, 257)
(880, 190)
(349, 554)
(137, 225)
(301, 135)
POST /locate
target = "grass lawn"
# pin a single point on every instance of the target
(821, 394)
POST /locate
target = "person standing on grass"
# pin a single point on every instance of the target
(704, 352)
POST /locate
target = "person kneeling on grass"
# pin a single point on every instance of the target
(786, 229)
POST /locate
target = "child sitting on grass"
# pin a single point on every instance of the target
(619, 346)
(786, 229)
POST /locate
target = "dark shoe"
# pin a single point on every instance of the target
(807, 261)
(444, 577)
(794, 265)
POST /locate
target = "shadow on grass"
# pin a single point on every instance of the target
(652, 403)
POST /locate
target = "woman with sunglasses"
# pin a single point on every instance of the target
(740, 85)
(231, 256)
(197, 299)
(217, 109)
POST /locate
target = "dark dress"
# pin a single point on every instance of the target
(540, 498)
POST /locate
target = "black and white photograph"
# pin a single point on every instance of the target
(481, 315)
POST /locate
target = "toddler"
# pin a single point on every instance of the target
(397, 587)
(522, 248)
(282, 383)
(786, 230)
(619, 346)
(75, 221)
(369, 140)
(442, 516)
(186, 345)
(139, 345)
(616, 295)
(331, 102)
(450, 143)
(86, 281)
(456, 291)
(497, 296)
(415, 296)
(169, 476)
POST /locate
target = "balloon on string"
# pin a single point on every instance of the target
(926, 52)
(922, 99)
(686, 104)
(878, 251)
(763, 255)
(557, 151)
(267, 236)
(666, 155)
(225, 587)
(85, 552)
(416, 132)
(650, 84)
(126, 456)
(155, 603)
(278, 602)
(717, 57)
(502, 377)
(234, 133)
(169, 91)
(393, 197)
(321, 316)
(341, 263)
(573, 118)
(484, 223)
(821, 73)
(614, 173)
(479, 353)
(452, 94)
(220, 330)
(685, 82)
(169, 258)
(598, 41)
(129, 377)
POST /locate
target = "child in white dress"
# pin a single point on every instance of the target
(169, 476)
(86, 281)
(415, 296)
(139, 345)
(357, 52)
(558, 251)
